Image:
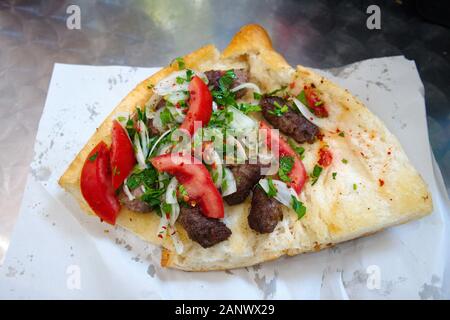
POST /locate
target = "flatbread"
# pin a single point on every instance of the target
(376, 188)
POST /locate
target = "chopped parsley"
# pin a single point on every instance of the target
(341, 134)
(315, 174)
(182, 192)
(344, 161)
(181, 64)
(121, 118)
(226, 80)
(166, 116)
(147, 177)
(302, 98)
(298, 207)
(189, 75)
(153, 196)
(355, 186)
(167, 208)
(93, 157)
(279, 110)
(247, 108)
(334, 174)
(257, 96)
(286, 164)
(272, 190)
(298, 149)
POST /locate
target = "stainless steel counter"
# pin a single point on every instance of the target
(323, 34)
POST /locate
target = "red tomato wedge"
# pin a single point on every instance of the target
(315, 103)
(298, 173)
(200, 105)
(96, 185)
(196, 180)
(122, 155)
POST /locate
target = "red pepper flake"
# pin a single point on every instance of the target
(325, 157)
(160, 236)
(389, 153)
(292, 85)
(320, 136)
(381, 182)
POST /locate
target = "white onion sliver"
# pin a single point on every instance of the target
(171, 191)
(174, 214)
(150, 105)
(214, 106)
(127, 191)
(176, 97)
(284, 193)
(240, 150)
(158, 141)
(308, 114)
(247, 85)
(139, 153)
(157, 122)
(230, 183)
(177, 243)
(177, 114)
(215, 159)
(240, 120)
(169, 84)
(143, 132)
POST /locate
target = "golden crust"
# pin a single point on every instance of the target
(389, 190)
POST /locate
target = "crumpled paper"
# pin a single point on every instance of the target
(58, 252)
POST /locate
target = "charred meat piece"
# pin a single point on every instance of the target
(215, 75)
(151, 128)
(265, 212)
(290, 122)
(206, 231)
(136, 205)
(246, 176)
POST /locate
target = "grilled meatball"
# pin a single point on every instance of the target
(265, 212)
(137, 204)
(241, 77)
(206, 231)
(246, 175)
(152, 129)
(291, 123)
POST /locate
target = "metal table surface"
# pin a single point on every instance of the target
(321, 34)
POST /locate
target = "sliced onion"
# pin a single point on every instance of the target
(284, 193)
(240, 120)
(169, 84)
(247, 85)
(158, 141)
(230, 183)
(177, 114)
(164, 149)
(240, 150)
(176, 97)
(214, 106)
(139, 153)
(145, 140)
(127, 191)
(321, 123)
(212, 157)
(177, 243)
(151, 104)
(162, 176)
(175, 213)
(171, 191)
(157, 123)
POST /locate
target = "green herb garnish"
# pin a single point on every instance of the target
(279, 110)
(286, 164)
(93, 157)
(298, 149)
(315, 174)
(344, 161)
(342, 134)
(272, 190)
(302, 98)
(298, 207)
(334, 174)
(181, 64)
(257, 96)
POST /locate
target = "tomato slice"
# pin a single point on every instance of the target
(200, 105)
(96, 186)
(298, 173)
(122, 155)
(196, 180)
(315, 103)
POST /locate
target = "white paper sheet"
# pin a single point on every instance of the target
(58, 252)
